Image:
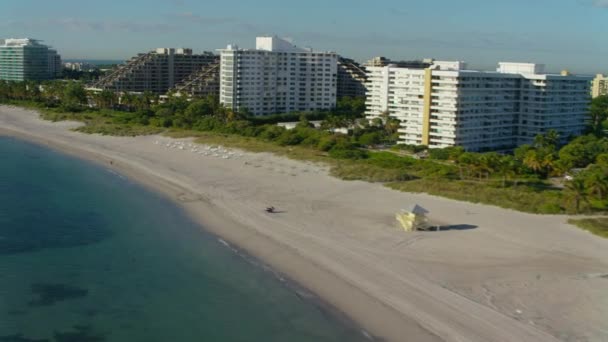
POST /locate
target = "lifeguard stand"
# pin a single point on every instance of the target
(413, 218)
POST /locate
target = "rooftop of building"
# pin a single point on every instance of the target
(383, 61)
(504, 68)
(180, 51)
(20, 42)
(274, 44)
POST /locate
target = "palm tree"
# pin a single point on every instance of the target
(547, 141)
(107, 98)
(151, 98)
(4, 91)
(33, 90)
(506, 167)
(51, 91)
(96, 98)
(18, 90)
(539, 161)
(576, 193)
(391, 126)
(533, 161)
(333, 122)
(225, 114)
(561, 167)
(128, 100)
(602, 160)
(140, 102)
(469, 161)
(548, 163)
(596, 181)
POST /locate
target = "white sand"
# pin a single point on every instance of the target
(515, 277)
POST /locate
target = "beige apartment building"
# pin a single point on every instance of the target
(600, 86)
(446, 104)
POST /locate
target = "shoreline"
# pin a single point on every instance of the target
(508, 277)
(299, 272)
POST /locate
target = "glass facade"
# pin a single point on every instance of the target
(26, 59)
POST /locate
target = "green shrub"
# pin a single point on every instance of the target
(207, 124)
(439, 153)
(311, 141)
(522, 198)
(272, 132)
(240, 127)
(369, 173)
(411, 148)
(341, 153)
(326, 143)
(289, 138)
(369, 139)
(550, 208)
(597, 226)
(390, 160)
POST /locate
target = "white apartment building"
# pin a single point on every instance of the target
(277, 77)
(446, 105)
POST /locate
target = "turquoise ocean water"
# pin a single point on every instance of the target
(87, 255)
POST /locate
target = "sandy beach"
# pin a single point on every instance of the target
(508, 276)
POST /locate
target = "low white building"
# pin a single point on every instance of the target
(79, 66)
(294, 124)
(277, 77)
(447, 105)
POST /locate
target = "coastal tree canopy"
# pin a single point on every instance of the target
(598, 114)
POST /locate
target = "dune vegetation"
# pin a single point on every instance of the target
(543, 177)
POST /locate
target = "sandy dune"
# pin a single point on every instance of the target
(504, 276)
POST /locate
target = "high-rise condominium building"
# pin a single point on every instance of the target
(55, 65)
(27, 59)
(600, 86)
(446, 105)
(351, 78)
(381, 61)
(156, 71)
(277, 77)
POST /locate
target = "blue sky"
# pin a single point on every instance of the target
(570, 34)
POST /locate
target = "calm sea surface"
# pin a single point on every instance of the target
(86, 255)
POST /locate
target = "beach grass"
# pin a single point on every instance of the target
(397, 172)
(349, 170)
(96, 122)
(597, 226)
(106, 128)
(251, 145)
(524, 197)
